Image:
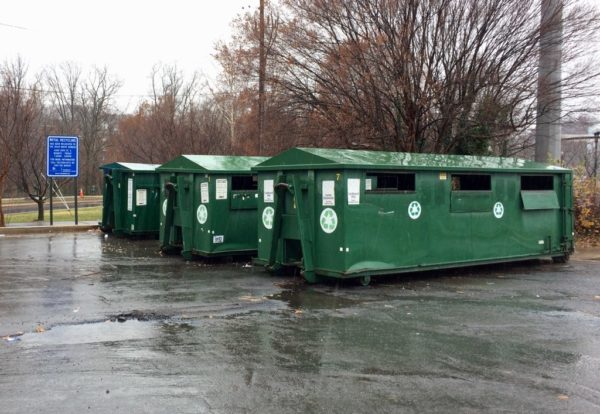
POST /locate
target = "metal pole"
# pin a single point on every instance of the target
(596, 136)
(262, 64)
(51, 209)
(547, 135)
(76, 211)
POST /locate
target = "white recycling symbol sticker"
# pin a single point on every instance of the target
(267, 217)
(328, 220)
(164, 207)
(414, 210)
(498, 210)
(202, 214)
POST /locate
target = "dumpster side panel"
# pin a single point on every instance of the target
(184, 203)
(330, 227)
(170, 223)
(203, 217)
(127, 183)
(108, 203)
(229, 217)
(264, 213)
(568, 225)
(381, 234)
(120, 193)
(146, 203)
(162, 202)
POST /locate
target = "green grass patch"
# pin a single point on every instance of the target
(84, 214)
(27, 200)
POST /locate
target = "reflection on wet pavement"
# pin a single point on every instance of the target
(125, 329)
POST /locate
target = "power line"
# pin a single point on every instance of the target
(12, 26)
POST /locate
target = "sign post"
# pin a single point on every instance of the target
(62, 162)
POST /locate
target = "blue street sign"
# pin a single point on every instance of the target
(62, 156)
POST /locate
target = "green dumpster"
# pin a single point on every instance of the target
(130, 199)
(208, 205)
(353, 214)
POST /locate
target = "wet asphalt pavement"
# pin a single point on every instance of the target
(108, 325)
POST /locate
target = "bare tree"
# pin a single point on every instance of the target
(233, 95)
(83, 107)
(29, 170)
(95, 119)
(430, 75)
(175, 120)
(20, 105)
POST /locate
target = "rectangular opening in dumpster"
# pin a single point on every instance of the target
(391, 182)
(471, 182)
(537, 182)
(244, 182)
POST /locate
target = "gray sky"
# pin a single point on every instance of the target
(128, 36)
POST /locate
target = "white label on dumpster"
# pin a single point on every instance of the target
(129, 194)
(368, 184)
(204, 193)
(353, 191)
(221, 193)
(218, 239)
(202, 214)
(328, 220)
(329, 193)
(269, 193)
(164, 207)
(141, 197)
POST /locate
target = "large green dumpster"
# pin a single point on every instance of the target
(346, 214)
(208, 206)
(130, 199)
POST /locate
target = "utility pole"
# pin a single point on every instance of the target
(547, 135)
(262, 63)
(596, 136)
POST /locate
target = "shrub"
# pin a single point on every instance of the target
(586, 203)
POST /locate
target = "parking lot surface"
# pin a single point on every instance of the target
(101, 324)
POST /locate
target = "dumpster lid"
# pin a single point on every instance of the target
(211, 163)
(330, 158)
(132, 166)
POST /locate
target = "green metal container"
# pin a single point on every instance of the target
(130, 199)
(348, 214)
(208, 206)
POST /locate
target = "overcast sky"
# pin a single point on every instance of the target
(129, 36)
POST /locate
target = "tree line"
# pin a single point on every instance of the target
(442, 76)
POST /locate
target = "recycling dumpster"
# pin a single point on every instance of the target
(208, 205)
(131, 195)
(353, 214)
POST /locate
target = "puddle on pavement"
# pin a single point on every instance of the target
(87, 333)
(312, 299)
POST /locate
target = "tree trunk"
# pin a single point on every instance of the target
(40, 206)
(2, 223)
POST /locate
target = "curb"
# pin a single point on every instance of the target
(47, 229)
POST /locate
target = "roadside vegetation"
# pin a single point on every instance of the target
(587, 209)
